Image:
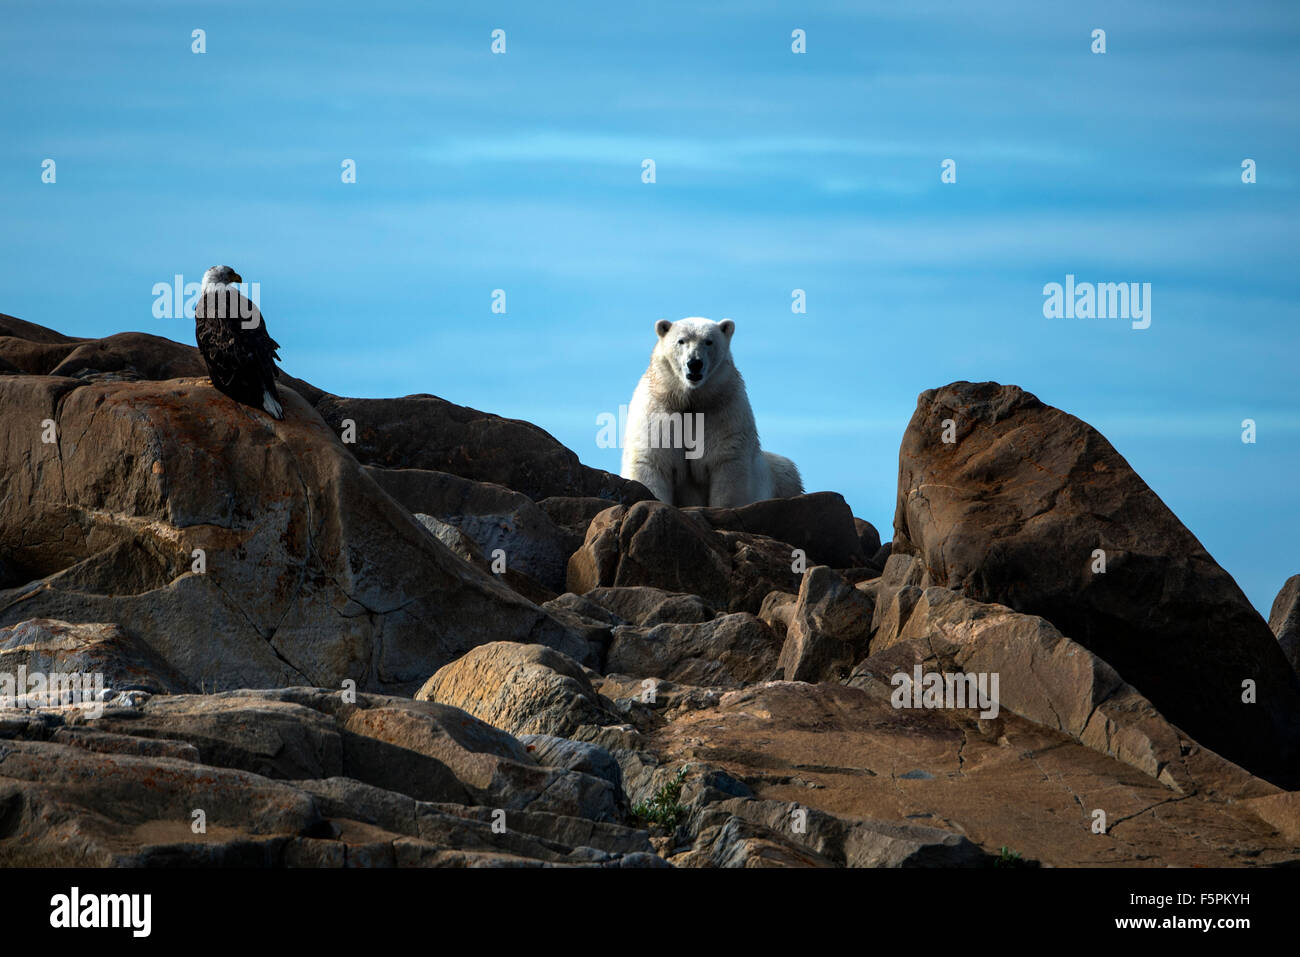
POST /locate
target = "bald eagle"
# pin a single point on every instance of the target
(236, 348)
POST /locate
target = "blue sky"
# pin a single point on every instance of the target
(775, 171)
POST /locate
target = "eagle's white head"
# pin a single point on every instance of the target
(218, 276)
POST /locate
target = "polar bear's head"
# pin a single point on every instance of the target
(694, 350)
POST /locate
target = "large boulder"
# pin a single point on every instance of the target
(522, 689)
(1019, 508)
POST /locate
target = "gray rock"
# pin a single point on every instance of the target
(492, 517)
(555, 752)
(727, 651)
(646, 606)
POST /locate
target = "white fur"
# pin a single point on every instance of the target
(691, 372)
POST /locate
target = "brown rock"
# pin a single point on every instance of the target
(657, 545)
(296, 777)
(848, 753)
(868, 537)
(849, 842)
(1043, 677)
(776, 610)
(647, 607)
(426, 432)
(819, 523)
(1012, 512)
(651, 544)
(136, 353)
(573, 515)
(829, 629)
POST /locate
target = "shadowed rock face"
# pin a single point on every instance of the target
(1011, 512)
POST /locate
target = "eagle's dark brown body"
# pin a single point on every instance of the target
(239, 353)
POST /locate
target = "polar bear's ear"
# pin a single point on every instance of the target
(662, 327)
(727, 327)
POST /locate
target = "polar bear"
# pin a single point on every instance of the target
(691, 437)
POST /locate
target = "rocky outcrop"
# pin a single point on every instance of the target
(296, 566)
(1023, 506)
(1042, 676)
(170, 542)
(1010, 783)
(297, 777)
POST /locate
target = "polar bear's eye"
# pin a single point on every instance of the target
(681, 342)
(708, 342)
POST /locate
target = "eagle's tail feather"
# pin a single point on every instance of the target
(271, 406)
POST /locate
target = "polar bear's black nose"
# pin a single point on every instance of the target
(695, 365)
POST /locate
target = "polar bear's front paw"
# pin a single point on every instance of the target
(659, 487)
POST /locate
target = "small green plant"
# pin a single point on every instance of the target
(1009, 858)
(663, 810)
